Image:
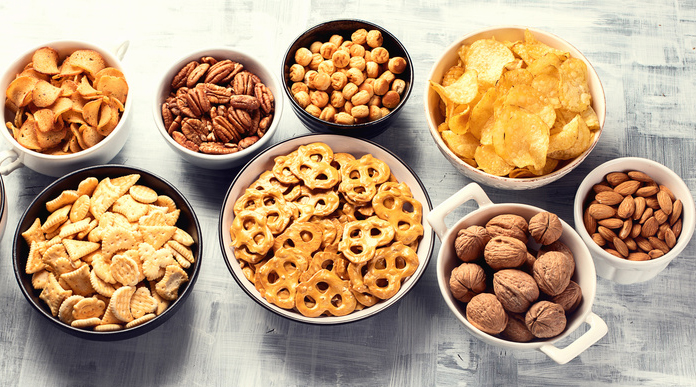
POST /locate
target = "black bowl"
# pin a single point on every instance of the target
(20, 250)
(345, 28)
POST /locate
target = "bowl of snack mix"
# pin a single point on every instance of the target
(516, 276)
(349, 77)
(107, 252)
(326, 229)
(636, 216)
(67, 107)
(217, 107)
(513, 107)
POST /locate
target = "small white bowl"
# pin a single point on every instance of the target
(621, 270)
(251, 64)
(584, 273)
(512, 33)
(52, 165)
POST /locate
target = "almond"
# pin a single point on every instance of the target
(647, 214)
(616, 178)
(655, 253)
(649, 227)
(660, 216)
(628, 187)
(589, 221)
(601, 187)
(643, 244)
(640, 207)
(613, 252)
(638, 256)
(677, 207)
(658, 244)
(598, 239)
(609, 198)
(670, 239)
(631, 244)
(640, 176)
(620, 246)
(665, 202)
(626, 228)
(677, 228)
(611, 223)
(601, 211)
(651, 202)
(647, 191)
(606, 233)
(635, 231)
(626, 208)
(668, 191)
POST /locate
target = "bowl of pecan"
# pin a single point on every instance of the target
(218, 107)
(348, 77)
(516, 276)
(636, 216)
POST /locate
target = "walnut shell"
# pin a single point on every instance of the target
(486, 313)
(470, 243)
(570, 298)
(516, 329)
(552, 272)
(545, 319)
(515, 289)
(545, 228)
(505, 252)
(509, 225)
(561, 248)
(466, 281)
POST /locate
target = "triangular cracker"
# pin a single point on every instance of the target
(157, 236)
(78, 281)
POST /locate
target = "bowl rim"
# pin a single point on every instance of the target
(634, 163)
(124, 333)
(339, 128)
(502, 180)
(112, 61)
(163, 87)
(327, 320)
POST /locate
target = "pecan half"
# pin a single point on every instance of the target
(243, 83)
(194, 130)
(241, 119)
(175, 126)
(188, 106)
(224, 130)
(197, 74)
(265, 97)
(180, 78)
(185, 142)
(246, 102)
(223, 72)
(218, 148)
(167, 116)
(248, 141)
(217, 94)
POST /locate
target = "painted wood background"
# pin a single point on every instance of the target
(645, 53)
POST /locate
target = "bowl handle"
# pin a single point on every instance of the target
(436, 217)
(121, 49)
(598, 328)
(14, 163)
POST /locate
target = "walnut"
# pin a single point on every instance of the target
(486, 313)
(552, 272)
(515, 289)
(516, 329)
(545, 228)
(470, 243)
(467, 280)
(504, 252)
(509, 225)
(570, 298)
(545, 319)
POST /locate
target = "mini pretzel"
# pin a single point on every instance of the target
(304, 236)
(359, 178)
(271, 204)
(249, 229)
(268, 181)
(281, 169)
(325, 292)
(331, 261)
(340, 159)
(356, 275)
(389, 267)
(362, 237)
(313, 166)
(323, 202)
(278, 278)
(395, 205)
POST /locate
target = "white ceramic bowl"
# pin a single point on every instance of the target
(338, 143)
(621, 270)
(52, 165)
(584, 274)
(512, 33)
(251, 64)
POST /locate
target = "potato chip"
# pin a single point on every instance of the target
(463, 145)
(482, 112)
(19, 91)
(113, 86)
(459, 119)
(583, 140)
(462, 91)
(90, 112)
(531, 49)
(525, 140)
(574, 91)
(88, 60)
(91, 136)
(529, 99)
(451, 75)
(45, 94)
(45, 60)
(50, 138)
(488, 58)
(490, 162)
(26, 136)
(85, 89)
(62, 105)
(44, 120)
(107, 71)
(591, 119)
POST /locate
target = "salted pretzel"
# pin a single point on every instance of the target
(359, 178)
(362, 237)
(278, 278)
(395, 204)
(305, 236)
(390, 266)
(269, 203)
(340, 159)
(281, 168)
(356, 274)
(268, 181)
(323, 202)
(312, 165)
(324, 293)
(331, 261)
(249, 230)
(364, 299)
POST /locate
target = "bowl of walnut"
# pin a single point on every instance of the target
(348, 77)
(516, 276)
(217, 107)
(636, 216)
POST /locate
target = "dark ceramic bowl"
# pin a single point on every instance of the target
(345, 28)
(20, 251)
(3, 208)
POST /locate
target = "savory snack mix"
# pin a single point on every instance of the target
(347, 81)
(109, 256)
(324, 233)
(217, 107)
(516, 109)
(65, 105)
(511, 290)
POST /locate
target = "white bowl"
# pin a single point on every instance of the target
(584, 274)
(338, 143)
(52, 165)
(621, 270)
(512, 33)
(251, 64)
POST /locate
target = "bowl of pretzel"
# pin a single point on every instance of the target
(326, 229)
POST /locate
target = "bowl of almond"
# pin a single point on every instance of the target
(636, 216)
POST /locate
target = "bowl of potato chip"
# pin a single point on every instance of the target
(107, 252)
(326, 229)
(514, 107)
(217, 107)
(348, 77)
(67, 107)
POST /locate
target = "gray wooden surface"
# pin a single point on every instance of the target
(645, 53)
